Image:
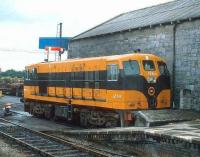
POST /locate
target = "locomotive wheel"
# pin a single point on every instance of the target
(47, 115)
(111, 123)
(83, 119)
(55, 118)
(38, 115)
(96, 118)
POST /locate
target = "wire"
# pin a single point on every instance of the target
(3, 50)
(19, 50)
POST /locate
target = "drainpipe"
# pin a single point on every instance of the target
(174, 66)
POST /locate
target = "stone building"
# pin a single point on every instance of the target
(170, 30)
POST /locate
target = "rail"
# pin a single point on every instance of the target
(46, 145)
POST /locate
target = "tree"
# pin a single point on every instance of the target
(12, 73)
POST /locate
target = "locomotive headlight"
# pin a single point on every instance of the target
(151, 79)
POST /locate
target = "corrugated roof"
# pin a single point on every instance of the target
(160, 14)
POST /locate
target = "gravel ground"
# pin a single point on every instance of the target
(28, 120)
(15, 101)
(6, 150)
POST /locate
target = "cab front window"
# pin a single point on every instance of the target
(163, 68)
(148, 65)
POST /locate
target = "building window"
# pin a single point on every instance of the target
(89, 76)
(131, 68)
(86, 84)
(97, 86)
(112, 72)
(72, 75)
(96, 75)
(78, 76)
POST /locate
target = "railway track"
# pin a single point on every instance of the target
(41, 144)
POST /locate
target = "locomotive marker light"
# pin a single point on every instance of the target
(151, 79)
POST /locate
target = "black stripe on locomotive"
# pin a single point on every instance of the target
(77, 80)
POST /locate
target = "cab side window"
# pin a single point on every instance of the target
(34, 74)
(163, 68)
(27, 74)
(112, 72)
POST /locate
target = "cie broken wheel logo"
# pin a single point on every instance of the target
(151, 91)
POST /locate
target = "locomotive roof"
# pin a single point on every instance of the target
(107, 58)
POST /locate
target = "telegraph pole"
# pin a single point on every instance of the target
(60, 36)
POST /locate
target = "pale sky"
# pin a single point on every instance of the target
(22, 22)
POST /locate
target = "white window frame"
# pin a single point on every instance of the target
(111, 72)
(27, 74)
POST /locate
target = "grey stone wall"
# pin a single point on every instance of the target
(158, 40)
(188, 61)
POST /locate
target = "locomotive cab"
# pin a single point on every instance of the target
(149, 79)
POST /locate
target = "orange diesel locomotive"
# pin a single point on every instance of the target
(98, 91)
